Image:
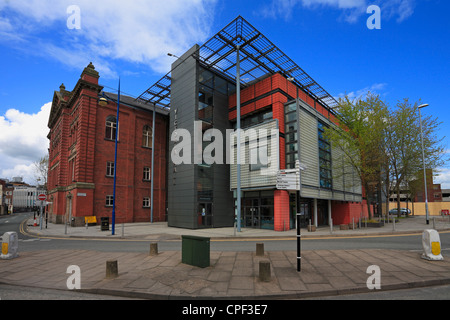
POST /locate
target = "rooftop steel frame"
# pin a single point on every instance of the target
(258, 58)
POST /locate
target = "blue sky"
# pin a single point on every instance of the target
(407, 58)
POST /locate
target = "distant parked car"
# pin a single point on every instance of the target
(403, 211)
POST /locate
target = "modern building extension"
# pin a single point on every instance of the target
(275, 94)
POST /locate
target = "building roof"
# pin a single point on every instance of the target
(135, 103)
(258, 57)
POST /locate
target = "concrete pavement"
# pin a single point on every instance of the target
(160, 230)
(231, 275)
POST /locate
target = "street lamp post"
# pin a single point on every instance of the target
(423, 160)
(238, 129)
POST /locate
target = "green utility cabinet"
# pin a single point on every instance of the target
(195, 251)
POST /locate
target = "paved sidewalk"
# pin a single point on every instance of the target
(231, 275)
(160, 230)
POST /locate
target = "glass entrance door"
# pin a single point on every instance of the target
(251, 213)
(251, 217)
(205, 214)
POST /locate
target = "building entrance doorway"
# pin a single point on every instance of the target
(257, 210)
(252, 213)
(205, 214)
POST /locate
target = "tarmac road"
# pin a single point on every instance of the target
(397, 242)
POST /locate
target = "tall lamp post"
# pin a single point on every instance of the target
(103, 102)
(423, 160)
(238, 130)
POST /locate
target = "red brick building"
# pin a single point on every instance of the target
(81, 155)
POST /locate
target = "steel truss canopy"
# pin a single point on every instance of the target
(259, 57)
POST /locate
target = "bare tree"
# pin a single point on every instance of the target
(41, 170)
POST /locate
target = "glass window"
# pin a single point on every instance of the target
(147, 173)
(109, 200)
(147, 137)
(110, 169)
(221, 85)
(291, 158)
(146, 202)
(257, 118)
(267, 115)
(292, 147)
(207, 78)
(205, 106)
(290, 108)
(324, 158)
(111, 128)
(291, 137)
(291, 127)
(291, 117)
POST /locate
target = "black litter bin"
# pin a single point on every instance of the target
(195, 251)
(104, 223)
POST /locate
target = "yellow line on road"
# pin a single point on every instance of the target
(325, 237)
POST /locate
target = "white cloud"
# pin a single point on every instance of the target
(137, 31)
(23, 140)
(443, 174)
(376, 88)
(443, 178)
(26, 171)
(352, 10)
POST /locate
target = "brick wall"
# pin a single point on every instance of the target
(79, 159)
(343, 212)
(281, 210)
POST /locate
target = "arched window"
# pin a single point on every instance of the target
(147, 137)
(111, 128)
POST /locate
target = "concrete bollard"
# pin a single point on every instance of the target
(153, 249)
(10, 246)
(260, 249)
(431, 245)
(112, 269)
(264, 271)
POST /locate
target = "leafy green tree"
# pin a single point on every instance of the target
(383, 145)
(404, 147)
(360, 139)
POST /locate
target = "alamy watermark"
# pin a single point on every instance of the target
(73, 17)
(374, 281)
(74, 280)
(374, 21)
(262, 145)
